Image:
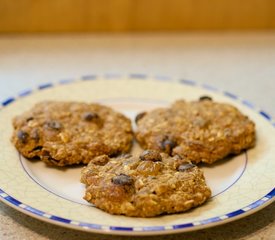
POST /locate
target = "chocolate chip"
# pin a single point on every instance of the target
(150, 155)
(168, 145)
(38, 148)
(89, 116)
(186, 166)
(202, 98)
(122, 179)
(29, 119)
(114, 154)
(140, 116)
(53, 125)
(22, 136)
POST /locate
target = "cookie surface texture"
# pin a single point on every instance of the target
(66, 133)
(202, 131)
(148, 185)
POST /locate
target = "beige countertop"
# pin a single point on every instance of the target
(241, 63)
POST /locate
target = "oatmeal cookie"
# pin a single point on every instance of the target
(202, 131)
(144, 186)
(65, 133)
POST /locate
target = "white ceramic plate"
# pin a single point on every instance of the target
(241, 185)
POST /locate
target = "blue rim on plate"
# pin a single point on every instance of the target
(256, 205)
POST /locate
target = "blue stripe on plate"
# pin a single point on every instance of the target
(90, 225)
(235, 213)
(248, 104)
(208, 87)
(265, 115)
(25, 93)
(1, 191)
(45, 85)
(60, 219)
(231, 95)
(271, 194)
(188, 82)
(186, 225)
(88, 77)
(154, 228)
(256, 204)
(8, 101)
(121, 228)
(210, 220)
(12, 200)
(34, 210)
(138, 75)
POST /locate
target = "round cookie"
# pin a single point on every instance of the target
(144, 186)
(66, 133)
(202, 131)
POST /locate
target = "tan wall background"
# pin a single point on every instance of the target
(134, 15)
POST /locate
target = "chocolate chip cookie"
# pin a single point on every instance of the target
(144, 186)
(66, 133)
(202, 131)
